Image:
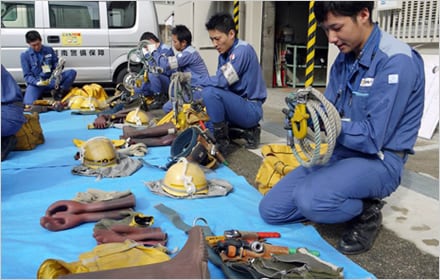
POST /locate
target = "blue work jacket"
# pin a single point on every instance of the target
(12, 107)
(32, 62)
(188, 60)
(379, 95)
(244, 60)
(160, 55)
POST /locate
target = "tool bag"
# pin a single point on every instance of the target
(191, 144)
(30, 134)
(278, 160)
(301, 265)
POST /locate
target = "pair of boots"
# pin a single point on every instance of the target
(363, 229)
(223, 135)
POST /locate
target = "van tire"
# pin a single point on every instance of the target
(121, 74)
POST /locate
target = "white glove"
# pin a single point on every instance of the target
(42, 83)
(151, 48)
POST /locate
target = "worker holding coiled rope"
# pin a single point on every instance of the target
(155, 83)
(187, 60)
(377, 86)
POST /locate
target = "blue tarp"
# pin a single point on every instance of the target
(33, 180)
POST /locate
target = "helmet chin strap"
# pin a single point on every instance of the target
(187, 180)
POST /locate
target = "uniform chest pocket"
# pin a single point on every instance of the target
(359, 104)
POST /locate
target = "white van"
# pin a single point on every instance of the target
(94, 36)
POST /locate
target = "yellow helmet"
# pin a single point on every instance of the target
(137, 117)
(99, 152)
(76, 101)
(185, 178)
(90, 104)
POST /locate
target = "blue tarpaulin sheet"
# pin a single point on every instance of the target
(33, 180)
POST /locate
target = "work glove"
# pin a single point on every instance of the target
(43, 83)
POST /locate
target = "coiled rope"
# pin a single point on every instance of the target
(306, 103)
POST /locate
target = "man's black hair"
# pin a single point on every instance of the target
(182, 33)
(149, 36)
(341, 8)
(222, 22)
(32, 36)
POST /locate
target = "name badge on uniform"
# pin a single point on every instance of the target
(172, 60)
(393, 78)
(229, 72)
(367, 82)
(45, 68)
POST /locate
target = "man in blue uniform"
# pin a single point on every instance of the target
(187, 59)
(38, 63)
(158, 83)
(377, 85)
(235, 95)
(12, 112)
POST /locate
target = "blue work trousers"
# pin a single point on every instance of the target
(12, 119)
(331, 193)
(225, 106)
(35, 92)
(156, 84)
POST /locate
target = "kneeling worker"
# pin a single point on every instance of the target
(234, 97)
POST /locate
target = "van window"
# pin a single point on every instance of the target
(18, 15)
(121, 14)
(74, 14)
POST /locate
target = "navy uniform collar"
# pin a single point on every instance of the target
(226, 54)
(369, 51)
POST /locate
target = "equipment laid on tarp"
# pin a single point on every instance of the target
(100, 158)
(45, 173)
(30, 134)
(186, 179)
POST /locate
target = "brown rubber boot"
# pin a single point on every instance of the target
(190, 263)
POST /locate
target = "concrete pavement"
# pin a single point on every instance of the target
(408, 245)
(412, 211)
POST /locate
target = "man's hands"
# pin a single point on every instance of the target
(100, 122)
(43, 83)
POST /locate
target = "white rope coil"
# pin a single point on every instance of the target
(320, 109)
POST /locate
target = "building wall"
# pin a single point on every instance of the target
(260, 23)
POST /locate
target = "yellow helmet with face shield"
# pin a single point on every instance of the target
(137, 117)
(98, 152)
(185, 178)
(90, 104)
(76, 101)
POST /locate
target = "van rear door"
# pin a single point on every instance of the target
(77, 30)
